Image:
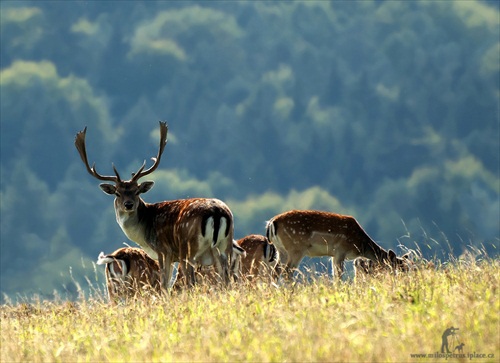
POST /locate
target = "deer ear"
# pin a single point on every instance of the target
(108, 188)
(145, 187)
(392, 255)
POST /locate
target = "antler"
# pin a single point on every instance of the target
(80, 146)
(163, 141)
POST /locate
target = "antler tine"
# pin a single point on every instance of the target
(116, 172)
(80, 146)
(163, 141)
(140, 169)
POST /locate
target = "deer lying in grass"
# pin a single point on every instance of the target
(300, 233)
(193, 232)
(129, 272)
(261, 258)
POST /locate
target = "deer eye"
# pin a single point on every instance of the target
(118, 194)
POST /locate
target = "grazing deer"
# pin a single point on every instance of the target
(129, 271)
(300, 233)
(261, 258)
(196, 231)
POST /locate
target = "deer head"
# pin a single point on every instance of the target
(127, 192)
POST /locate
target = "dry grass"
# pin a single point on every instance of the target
(383, 319)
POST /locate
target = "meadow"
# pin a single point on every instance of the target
(391, 318)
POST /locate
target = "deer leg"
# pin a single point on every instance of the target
(222, 265)
(170, 273)
(180, 279)
(236, 268)
(223, 268)
(338, 266)
(188, 270)
(185, 274)
(161, 262)
(292, 265)
(281, 265)
(165, 261)
(276, 272)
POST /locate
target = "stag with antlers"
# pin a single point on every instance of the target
(193, 232)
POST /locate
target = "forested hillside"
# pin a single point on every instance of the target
(385, 110)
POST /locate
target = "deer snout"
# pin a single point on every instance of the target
(129, 205)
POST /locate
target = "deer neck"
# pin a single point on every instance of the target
(374, 251)
(137, 226)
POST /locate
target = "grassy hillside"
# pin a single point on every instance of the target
(389, 318)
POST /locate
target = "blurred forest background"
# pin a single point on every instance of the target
(385, 110)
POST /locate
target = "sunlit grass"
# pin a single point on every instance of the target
(387, 318)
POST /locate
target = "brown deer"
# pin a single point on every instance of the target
(196, 231)
(300, 233)
(129, 271)
(261, 258)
